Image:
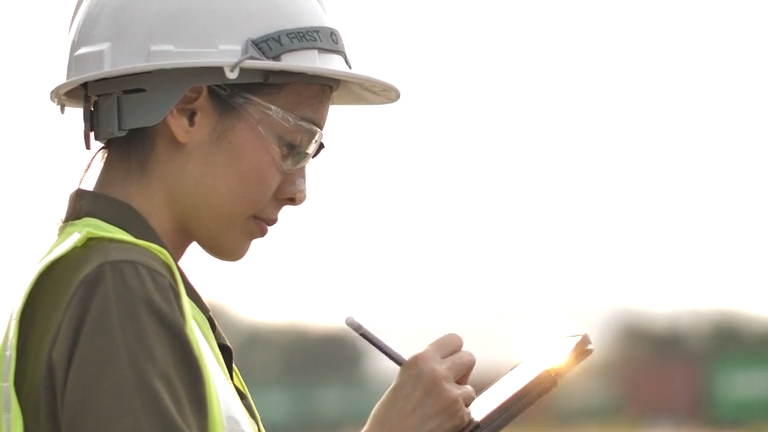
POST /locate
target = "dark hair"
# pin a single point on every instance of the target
(135, 148)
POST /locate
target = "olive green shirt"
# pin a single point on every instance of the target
(102, 344)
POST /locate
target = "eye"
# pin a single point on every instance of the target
(287, 148)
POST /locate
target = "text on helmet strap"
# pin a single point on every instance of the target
(274, 45)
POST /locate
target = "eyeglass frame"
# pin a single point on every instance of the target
(239, 100)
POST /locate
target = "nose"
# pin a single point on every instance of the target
(293, 191)
(300, 192)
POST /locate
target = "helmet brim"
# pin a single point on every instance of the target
(353, 89)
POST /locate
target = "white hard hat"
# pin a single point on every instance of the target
(130, 61)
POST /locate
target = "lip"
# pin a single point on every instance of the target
(260, 225)
(268, 222)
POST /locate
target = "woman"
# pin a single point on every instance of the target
(209, 113)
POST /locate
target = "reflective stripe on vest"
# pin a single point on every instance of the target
(226, 412)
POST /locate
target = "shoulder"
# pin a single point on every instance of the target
(115, 263)
(100, 255)
(103, 273)
(103, 328)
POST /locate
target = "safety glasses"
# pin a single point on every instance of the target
(296, 141)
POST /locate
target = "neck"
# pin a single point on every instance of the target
(148, 197)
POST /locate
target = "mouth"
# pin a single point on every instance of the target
(268, 222)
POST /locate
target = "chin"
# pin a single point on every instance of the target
(230, 252)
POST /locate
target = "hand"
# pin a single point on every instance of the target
(430, 393)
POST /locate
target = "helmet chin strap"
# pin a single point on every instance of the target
(90, 163)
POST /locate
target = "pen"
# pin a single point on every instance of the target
(374, 340)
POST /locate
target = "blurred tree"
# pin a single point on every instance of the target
(273, 353)
(312, 356)
(234, 325)
(702, 334)
(260, 356)
(727, 336)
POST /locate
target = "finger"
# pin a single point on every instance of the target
(446, 345)
(466, 421)
(467, 394)
(460, 366)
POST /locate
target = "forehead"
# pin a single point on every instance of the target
(309, 102)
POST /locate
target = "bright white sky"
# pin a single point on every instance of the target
(545, 156)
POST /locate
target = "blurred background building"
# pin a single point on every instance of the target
(655, 371)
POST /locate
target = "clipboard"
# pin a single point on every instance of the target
(526, 383)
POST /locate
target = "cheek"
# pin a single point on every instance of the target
(251, 171)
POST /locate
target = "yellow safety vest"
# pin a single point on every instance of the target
(226, 412)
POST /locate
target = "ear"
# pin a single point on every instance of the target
(183, 119)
